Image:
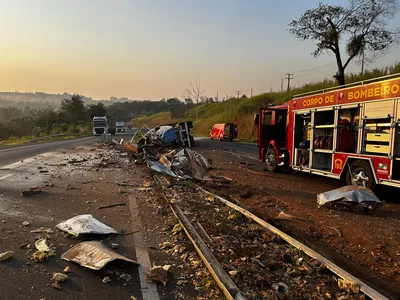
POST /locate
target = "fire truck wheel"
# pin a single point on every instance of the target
(270, 159)
(360, 175)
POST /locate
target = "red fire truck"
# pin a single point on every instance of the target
(350, 133)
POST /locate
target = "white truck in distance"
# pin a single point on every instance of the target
(100, 125)
(120, 126)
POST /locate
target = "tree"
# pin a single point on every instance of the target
(73, 109)
(96, 110)
(45, 117)
(364, 25)
(195, 93)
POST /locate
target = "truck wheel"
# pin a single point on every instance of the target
(270, 159)
(360, 174)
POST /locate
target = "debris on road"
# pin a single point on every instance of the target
(112, 205)
(114, 246)
(106, 279)
(67, 269)
(6, 255)
(25, 223)
(57, 279)
(42, 230)
(186, 164)
(32, 191)
(93, 255)
(158, 273)
(43, 251)
(358, 196)
(41, 245)
(85, 224)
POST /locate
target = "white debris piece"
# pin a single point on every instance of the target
(85, 224)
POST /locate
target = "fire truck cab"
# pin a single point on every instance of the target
(350, 133)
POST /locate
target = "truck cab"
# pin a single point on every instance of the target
(272, 136)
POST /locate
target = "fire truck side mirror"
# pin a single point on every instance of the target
(256, 119)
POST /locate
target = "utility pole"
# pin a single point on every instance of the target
(281, 85)
(289, 77)
(251, 93)
(362, 63)
(238, 93)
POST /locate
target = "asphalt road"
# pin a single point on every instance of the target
(250, 150)
(15, 154)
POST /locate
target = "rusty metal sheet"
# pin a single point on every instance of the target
(93, 255)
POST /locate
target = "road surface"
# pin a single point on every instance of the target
(14, 154)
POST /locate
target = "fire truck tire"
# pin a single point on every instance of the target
(360, 174)
(270, 159)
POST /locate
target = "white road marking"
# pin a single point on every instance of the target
(28, 160)
(6, 176)
(149, 291)
(23, 215)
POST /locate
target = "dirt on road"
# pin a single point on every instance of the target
(366, 245)
(85, 181)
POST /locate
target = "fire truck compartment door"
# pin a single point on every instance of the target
(378, 109)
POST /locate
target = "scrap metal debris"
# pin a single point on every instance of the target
(32, 191)
(112, 205)
(85, 224)
(158, 273)
(93, 255)
(6, 255)
(359, 196)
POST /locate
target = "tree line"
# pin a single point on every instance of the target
(74, 116)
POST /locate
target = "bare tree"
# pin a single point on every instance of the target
(364, 23)
(195, 93)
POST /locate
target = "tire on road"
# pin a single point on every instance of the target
(270, 159)
(360, 174)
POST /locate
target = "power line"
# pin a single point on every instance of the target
(311, 69)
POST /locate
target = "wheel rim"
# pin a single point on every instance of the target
(359, 178)
(270, 160)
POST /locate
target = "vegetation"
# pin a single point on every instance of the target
(363, 22)
(241, 111)
(18, 124)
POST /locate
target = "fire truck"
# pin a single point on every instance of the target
(350, 133)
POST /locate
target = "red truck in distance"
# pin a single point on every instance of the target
(225, 131)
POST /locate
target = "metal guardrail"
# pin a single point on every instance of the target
(51, 136)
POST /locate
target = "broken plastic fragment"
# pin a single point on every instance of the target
(106, 279)
(6, 255)
(42, 246)
(93, 255)
(85, 224)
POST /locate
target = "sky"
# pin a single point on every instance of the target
(152, 49)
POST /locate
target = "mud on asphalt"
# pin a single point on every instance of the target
(262, 266)
(366, 245)
(78, 182)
